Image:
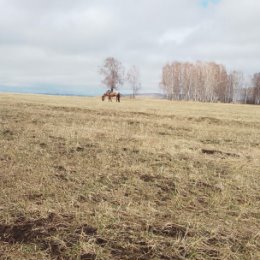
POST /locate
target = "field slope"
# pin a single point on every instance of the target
(141, 179)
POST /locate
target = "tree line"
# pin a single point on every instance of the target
(200, 81)
(208, 82)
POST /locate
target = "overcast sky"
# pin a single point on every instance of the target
(60, 44)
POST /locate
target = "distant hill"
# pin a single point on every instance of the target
(59, 91)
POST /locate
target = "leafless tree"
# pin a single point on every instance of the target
(133, 78)
(247, 92)
(200, 81)
(256, 88)
(208, 82)
(188, 80)
(167, 81)
(113, 73)
(221, 90)
(171, 82)
(236, 83)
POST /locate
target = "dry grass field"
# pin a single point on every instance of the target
(141, 179)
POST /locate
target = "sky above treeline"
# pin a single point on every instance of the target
(59, 45)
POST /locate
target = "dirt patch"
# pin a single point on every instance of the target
(8, 134)
(133, 122)
(46, 234)
(209, 120)
(5, 158)
(88, 256)
(34, 196)
(29, 230)
(213, 151)
(86, 230)
(170, 229)
(43, 145)
(147, 178)
(164, 133)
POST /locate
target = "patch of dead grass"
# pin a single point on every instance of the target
(82, 179)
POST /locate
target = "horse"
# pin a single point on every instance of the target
(110, 95)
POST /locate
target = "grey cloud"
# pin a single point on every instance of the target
(64, 41)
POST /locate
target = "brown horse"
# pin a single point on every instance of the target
(110, 95)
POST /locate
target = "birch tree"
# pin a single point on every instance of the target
(256, 88)
(133, 78)
(112, 71)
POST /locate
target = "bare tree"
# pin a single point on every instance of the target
(133, 77)
(247, 91)
(188, 80)
(208, 82)
(113, 73)
(199, 82)
(170, 82)
(202, 81)
(236, 82)
(177, 80)
(167, 81)
(221, 89)
(256, 88)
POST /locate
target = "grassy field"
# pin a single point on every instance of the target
(141, 179)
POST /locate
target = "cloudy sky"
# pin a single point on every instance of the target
(59, 45)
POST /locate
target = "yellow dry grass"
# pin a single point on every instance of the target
(141, 179)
